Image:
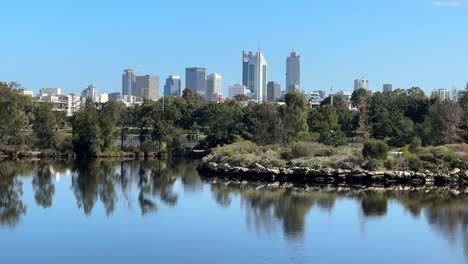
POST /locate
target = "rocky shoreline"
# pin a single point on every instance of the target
(309, 176)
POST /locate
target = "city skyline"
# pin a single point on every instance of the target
(426, 50)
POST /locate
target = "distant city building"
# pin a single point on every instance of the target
(246, 58)
(387, 88)
(257, 77)
(50, 91)
(147, 87)
(26, 92)
(195, 80)
(213, 86)
(129, 82)
(69, 104)
(293, 71)
(314, 99)
(321, 93)
(173, 86)
(345, 94)
(273, 91)
(114, 97)
(89, 92)
(462, 93)
(442, 94)
(361, 83)
(102, 98)
(238, 89)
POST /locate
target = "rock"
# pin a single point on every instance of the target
(455, 171)
(455, 192)
(260, 187)
(273, 171)
(258, 167)
(224, 167)
(244, 182)
(287, 171)
(244, 170)
(466, 190)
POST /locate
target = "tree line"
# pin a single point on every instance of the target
(395, 117)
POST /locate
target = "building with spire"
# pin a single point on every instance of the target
(257, 77)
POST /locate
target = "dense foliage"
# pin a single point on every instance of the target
(394, 118)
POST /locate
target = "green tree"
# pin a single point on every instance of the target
(44, 126)
(375, 149)
(264, 124)
(442, 125)
(358, 97)
(324, 121)
(109, 118)
(86, 131)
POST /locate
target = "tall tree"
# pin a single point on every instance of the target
(108, 119)
(86, 131)
(442, 125)
(44, 126)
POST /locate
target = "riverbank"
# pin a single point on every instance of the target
(315, 164)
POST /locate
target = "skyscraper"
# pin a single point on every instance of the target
(246, 57)
(129, 82)
(274, 91)
(89, 92)
(293, 71)
(213, 86)
(238, 89)
(257, 77)
(195, 80)
(173, 86)
(361, 83)
(387, 88)
(147, 87)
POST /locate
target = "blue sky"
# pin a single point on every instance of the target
(70, 44)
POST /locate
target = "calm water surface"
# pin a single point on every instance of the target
(162, 212)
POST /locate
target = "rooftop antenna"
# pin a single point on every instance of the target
(331, 94)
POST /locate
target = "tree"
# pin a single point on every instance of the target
(463, 102)
(108, 119)
(264, 124)
(338, 102)
(358, 97)
(241, 98)
(375, 149)
(442, 125)
(324, 121)
(86, 131)
(44, 126)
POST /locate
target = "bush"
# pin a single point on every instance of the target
(375, 149)
(415, 145)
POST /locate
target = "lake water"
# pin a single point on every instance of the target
(163, 212)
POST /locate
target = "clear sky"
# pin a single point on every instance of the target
(70, 44)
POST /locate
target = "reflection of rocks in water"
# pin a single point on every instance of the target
(11, 190)
(43, 186)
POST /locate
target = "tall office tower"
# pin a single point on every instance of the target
(89, 92)
(195, 80)
(293, 71)
(213, 86)
(147, 87)
(361, 83)
(387, 88)
(257, 77)
(173, 86)
(129, 82)
(273, 91)
(442, 94)
(246, 57)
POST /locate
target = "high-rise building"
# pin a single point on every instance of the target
(387, 87)
(273, 91)
(238, 89)
(293, 71)
(89, 92)
(361, 83)
(442, 94)
(173, 86)
(195, 80)
(129, 82)
(147, 87)
(246, 58)
(213, 86)
(257, 77)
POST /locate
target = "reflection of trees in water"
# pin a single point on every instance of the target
(11, 190)
(265, 208)
(43, 186)
(95, 179)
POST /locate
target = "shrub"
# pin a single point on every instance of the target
(302, 150)
(415, 145)
(375, 149)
